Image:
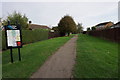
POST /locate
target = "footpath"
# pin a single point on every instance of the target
(61, 63)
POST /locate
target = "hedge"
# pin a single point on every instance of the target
(0, 40)
(53, 34)
(28, 36)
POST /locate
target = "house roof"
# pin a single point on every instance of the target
(36, 26)
(103, 23)
(117, 23)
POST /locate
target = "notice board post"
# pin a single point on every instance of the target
(19, 54)
(11, 55)
(13, 39)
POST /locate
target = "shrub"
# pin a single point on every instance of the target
(93, 28)
(88, 29)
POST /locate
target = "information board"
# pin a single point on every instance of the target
(13, 38)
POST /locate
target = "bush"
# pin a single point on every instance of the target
(3, 40)
(0, 40)
(84, 32)
(93, 28)
(28, 36)
(88, 29)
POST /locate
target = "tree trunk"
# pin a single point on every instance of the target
(68, 34)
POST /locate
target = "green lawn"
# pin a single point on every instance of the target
(33, 56)
(96, 58)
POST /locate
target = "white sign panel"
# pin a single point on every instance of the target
(13, 36)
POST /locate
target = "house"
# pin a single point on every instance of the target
(104, 25)
(36, 26)
(116, 25)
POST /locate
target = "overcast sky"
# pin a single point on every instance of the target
(49, 13)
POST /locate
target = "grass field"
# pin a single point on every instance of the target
(33, 56)
(96, 58)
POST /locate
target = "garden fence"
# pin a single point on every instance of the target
(110, 34)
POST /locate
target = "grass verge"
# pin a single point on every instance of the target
(96, 58)
(33, 56)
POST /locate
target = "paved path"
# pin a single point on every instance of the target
(60, 64)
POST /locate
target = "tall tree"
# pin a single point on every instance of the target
(67, 25)
(17, 17)
(79, 28)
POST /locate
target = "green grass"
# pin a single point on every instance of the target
(33, 56)
(96, 58)
(0, 66)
